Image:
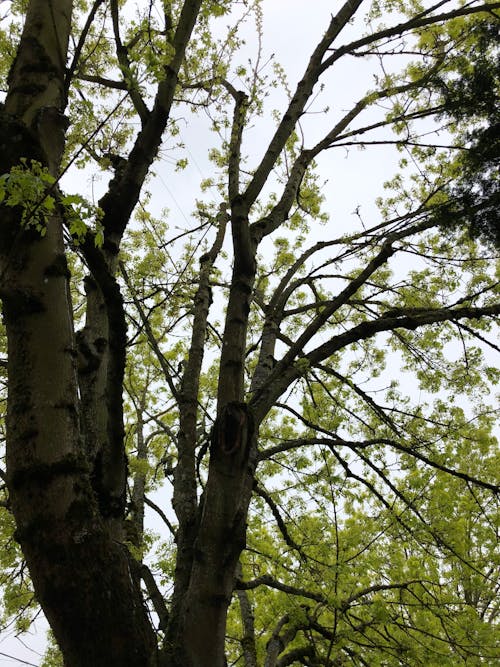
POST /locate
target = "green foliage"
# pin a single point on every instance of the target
(27, 187)
(407, 579)
(18, 606)
(468, 86)
(79, 214)
(32, 189)
(53, 656)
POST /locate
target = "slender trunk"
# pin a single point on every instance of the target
(247, 621)
(139, 488)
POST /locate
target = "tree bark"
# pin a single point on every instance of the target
(81, 575)
(220, 539)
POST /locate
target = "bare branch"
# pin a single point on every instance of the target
(155, 595)
(241, 103)
(279, 520)
(299, 100)
(284, 373)
(420, 21)
(81, 43)
(267, 580)
(124, 62)
(164, 363)
(161, 514)
(102, 81)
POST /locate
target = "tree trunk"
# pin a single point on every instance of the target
(221, 527)
(81, 575)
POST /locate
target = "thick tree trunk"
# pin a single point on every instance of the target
(69, 524)
(82, 576)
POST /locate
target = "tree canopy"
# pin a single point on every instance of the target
(257, 429)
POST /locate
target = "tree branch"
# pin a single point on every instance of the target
(279, 520)
(399, 29)
(267, 580)
(155, 595)
(124, 190)
(164, 364)
(299, 100)
(129, 80)
(161, 514)
(247, 621)
(285, 373)
(102, 81)
(241, 103)
(81, 43)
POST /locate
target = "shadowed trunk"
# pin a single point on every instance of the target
(81, 574)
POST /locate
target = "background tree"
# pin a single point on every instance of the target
(317, 407)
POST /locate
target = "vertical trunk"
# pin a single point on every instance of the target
(81, 574)
(224, 505)
(221, 537)
(136, 523)
(76, 566)
(102, 350)
(247, 621)
(185, 499)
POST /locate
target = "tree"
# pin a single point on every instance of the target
(289, 410)
(472, 97)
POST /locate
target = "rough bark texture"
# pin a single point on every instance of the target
(221, 535)
(76, 565)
